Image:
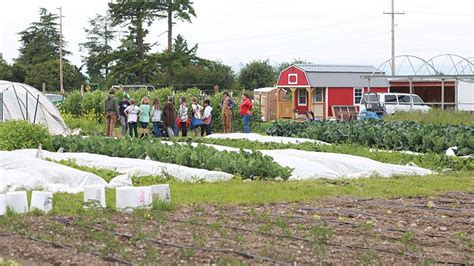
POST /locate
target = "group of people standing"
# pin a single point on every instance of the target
(166, 121)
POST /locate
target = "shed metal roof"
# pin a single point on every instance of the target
(342, 76)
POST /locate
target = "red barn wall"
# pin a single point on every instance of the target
(378, 90)
(339, 96)
(284, 80)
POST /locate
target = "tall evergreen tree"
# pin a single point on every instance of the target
(137, 16)
(5, 70)
(40, 41)
(182, 10)
(39, 55)
(98, 47)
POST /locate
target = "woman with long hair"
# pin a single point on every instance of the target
(132, 112)
(144, 116)
(156, 113)
(183, 116)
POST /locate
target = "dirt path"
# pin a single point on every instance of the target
(341, 231)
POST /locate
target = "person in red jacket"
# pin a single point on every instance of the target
(246, 112)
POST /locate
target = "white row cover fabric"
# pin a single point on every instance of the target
(18, 171)
(21, 101)
(134, 167)
(313, 165)
(264, 139)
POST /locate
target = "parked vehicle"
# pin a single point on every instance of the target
(56, 99)
(399, 102)
(371, 108)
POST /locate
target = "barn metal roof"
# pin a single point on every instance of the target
(342, 76)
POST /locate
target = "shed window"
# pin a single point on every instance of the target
(358, 95)
(302, 97)
(318, 95)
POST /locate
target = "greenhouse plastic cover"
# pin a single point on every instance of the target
(133, 167)
(20, 103)
(18, 172)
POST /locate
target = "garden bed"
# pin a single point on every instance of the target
(341, 230)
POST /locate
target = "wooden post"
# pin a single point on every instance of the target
(294, 98)
(278, 103)
(82, 90)
(310, 99)
(43, 87)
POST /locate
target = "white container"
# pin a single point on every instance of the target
(94, 196)
(42, 201)
(3, 204)
(126, 198)
(145, 199)
(17, 201)
(161, 192)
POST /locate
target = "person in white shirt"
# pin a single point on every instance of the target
(206, 118)
(132, 113)
(156, 114)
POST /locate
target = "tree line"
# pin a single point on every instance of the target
(131, 61)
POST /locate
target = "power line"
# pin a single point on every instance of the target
(440, 13)
(288, 32)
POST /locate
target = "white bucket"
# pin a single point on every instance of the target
(17, 201)
(95, 196)
(145, 199)
(42, 201)
(161, 192)
(126, 198)
(3, 204)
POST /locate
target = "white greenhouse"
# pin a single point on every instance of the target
(23, 102)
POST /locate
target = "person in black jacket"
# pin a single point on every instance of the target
(123, 117)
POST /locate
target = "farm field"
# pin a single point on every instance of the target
(363, 230)
(253, 218)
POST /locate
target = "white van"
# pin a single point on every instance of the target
(399, 102)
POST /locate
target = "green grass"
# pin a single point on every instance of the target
(435, 116)
(260, 192)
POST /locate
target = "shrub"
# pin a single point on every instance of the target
(22, 135)
(89, 123)
(72, 103)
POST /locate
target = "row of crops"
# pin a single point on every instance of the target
(244, 164)
(400, 136)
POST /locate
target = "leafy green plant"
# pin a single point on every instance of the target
(252, 165)
(22, 135)
(400, 136)
(429, 160)
(107, 175)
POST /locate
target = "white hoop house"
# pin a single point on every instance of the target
(23, 102)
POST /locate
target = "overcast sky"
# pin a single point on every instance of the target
(238, 31)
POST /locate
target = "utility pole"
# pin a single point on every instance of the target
(170, 26)
(393, 13)
(61, 44)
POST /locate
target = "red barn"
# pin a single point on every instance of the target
(318, 88)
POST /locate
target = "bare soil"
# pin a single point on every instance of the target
(345, 231)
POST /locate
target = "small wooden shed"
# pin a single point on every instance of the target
(267, 100)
